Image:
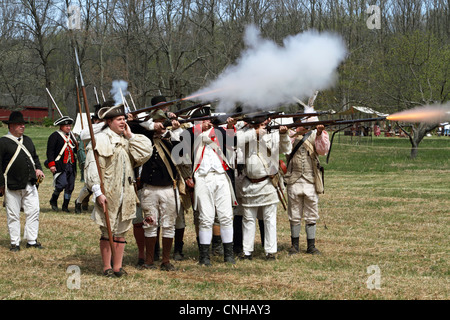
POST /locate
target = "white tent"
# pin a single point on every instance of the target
(367, 110)
(77, 127)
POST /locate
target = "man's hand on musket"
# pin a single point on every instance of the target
(102, 202)
(320, 128)
(171, 115)
(283, 129)
(39, 174)
(301, 130)
(158, 126)
(231, 122)
(131, 117)
(175, 125)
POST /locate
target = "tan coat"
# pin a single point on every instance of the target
(117, 158)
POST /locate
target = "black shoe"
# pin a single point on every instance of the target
(109, 273)
(270, 256)
(311, 249)
(77, 207)
(295, 246)
(204, 255)
(120, 273)
(178, 256)
(244, 256)
(37, 245)
(228, 255)
(14, 248)
(167, 267)
(65, 206)
(54, 202)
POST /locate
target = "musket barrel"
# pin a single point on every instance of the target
(325, 123)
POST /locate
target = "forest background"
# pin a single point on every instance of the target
(175, 47)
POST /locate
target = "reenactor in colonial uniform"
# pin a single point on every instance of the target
(305, 183)
(20, 173)
(161, 188)
(259, 187)
(207, 149)
(61, 160)
(119, 152)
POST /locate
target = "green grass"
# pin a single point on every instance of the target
(379, 208)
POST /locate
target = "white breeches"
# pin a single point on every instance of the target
(249, 220)
(28, 199)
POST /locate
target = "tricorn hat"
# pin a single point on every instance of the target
(97, 107)
(201, 112)
(254, 119)
(111, 112)
(15, 117)
(158, 99)
(63, 121)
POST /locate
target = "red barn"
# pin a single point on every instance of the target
(31, 114)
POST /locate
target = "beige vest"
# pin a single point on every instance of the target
(305, 163)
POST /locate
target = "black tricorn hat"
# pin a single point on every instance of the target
(15, 117)
(97, 107)
(63, 121)
(158, 99)
(255, 119)
(201, 112)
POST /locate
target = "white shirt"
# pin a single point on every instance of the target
(210, 162)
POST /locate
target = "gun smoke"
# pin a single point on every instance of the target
(268, 75)
(117, 85)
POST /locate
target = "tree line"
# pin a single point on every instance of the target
(174, 47)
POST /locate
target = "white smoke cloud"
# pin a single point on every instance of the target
(115, 90)
(267, 75)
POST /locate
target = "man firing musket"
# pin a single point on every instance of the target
(259, 190)
(304, 179)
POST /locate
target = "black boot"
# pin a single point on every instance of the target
(204, 255)
(312, 247)
(261, 231)
(228, 255)
(77, 207)
(65, 205)
(54, 201)
(294, 246)
(178, 245)
(237, 235)
(217, 249)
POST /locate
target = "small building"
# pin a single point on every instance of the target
(34, 108)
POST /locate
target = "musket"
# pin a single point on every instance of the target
(156, 106)
(96, 95)
(195, 106)
(61, 115)
(79, 103)
(132, 101)
(323, 122)
(217, 119)
(91, 132)
(296, 115)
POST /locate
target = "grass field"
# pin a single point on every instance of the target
(379, 209)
